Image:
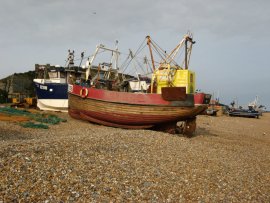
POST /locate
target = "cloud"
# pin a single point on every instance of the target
(228, 33)
(58, 21)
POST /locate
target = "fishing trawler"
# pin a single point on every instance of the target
(51, 92)
(168, 99)
(51, 85)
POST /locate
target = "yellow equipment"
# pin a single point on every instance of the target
(31, 101)
(185, 78)
(168, 73)
(16, 97)
(22, 99)
(172, 77)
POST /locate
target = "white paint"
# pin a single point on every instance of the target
(53, 104)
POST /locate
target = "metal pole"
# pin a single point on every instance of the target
(150, 49)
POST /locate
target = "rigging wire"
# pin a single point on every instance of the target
(135, 55)
(162, 53)
(158, 51)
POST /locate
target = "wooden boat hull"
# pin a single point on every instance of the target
(128, 110)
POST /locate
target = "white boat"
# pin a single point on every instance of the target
(52, 92)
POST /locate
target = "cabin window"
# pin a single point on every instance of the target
(53, 74)
(62, 75)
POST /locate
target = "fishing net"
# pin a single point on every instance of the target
(49, 119)
(40, 119)
(12, 111)
(34, 125)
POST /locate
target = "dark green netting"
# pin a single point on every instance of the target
(34, 125)
(50, 119)
(38, 117)
(12, 111)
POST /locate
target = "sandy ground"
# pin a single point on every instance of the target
(228, 160)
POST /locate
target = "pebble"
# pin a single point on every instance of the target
(227, 160)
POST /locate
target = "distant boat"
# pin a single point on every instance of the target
(250, 113)
(239, 111)
(215, 108)
(159, 107)
(255, 105)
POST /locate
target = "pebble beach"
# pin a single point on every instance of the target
(228, 160)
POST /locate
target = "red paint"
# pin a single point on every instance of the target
(199, 98)
(122, 97)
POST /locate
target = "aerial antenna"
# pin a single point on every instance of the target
(70, 59)
(82, 56)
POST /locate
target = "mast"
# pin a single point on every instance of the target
(114, 53)
(171, 56)
(88, 71)
(188, 50)
(151, 53)
(186, 54)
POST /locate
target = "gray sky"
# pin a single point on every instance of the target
(230, 56)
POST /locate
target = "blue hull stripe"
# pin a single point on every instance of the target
(51, 91)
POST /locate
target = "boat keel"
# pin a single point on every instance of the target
(186, 127)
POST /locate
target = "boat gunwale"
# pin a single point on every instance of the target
(135, 104)
(113, 97)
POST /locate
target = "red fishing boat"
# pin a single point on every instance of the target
(159, 107)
